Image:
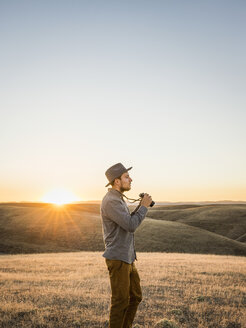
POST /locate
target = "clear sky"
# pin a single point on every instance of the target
(157, 85)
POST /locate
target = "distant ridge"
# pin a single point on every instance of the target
(223, 202)
(218, 202)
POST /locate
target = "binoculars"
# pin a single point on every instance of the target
(142, 195)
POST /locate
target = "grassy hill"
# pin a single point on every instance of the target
(225, 220)
(181, 238)
(38, 228)
(34, 228)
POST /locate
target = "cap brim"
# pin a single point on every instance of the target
(122, 173)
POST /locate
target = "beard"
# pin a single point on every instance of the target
(122, 189)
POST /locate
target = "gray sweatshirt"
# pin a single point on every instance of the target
(118, 227)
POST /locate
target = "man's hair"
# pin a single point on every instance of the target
(112, 183)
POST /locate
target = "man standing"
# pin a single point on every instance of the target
(118, 234)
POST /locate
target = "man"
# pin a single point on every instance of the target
(118, 233)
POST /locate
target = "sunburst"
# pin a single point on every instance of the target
(60, 197)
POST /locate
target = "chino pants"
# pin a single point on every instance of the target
(126, 293)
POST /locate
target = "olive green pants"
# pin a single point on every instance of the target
(126, 293)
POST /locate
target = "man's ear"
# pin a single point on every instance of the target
(119, 179)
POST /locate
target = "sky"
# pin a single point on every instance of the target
(156, 85)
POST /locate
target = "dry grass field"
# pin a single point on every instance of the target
(73, 290)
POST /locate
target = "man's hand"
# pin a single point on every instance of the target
(146, 200)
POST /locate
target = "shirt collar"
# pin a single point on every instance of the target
(116, 192)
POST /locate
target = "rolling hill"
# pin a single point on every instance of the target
(225, 220)
(204, 229)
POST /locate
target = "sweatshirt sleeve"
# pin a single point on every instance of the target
(117, 212)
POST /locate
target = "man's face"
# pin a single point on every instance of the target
(125, 182)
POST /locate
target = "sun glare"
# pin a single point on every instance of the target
(60, 197)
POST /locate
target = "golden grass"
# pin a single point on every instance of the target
(73, 290)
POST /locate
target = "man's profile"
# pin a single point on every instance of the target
(119, 226)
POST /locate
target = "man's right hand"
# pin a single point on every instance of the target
(146, 200)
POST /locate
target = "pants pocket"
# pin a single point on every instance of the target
(114, 265)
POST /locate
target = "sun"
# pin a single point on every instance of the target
(59, 197)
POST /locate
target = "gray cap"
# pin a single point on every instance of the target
(115, 171)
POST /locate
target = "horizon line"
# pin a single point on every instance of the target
(158, 201)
